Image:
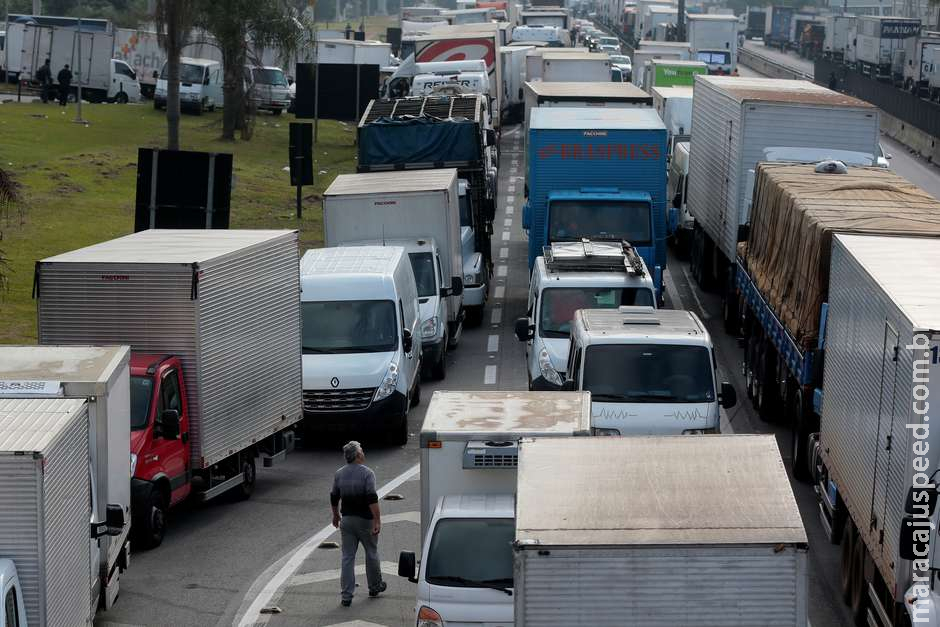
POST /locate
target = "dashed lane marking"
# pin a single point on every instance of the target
(501, 271)
(506, 236)
(499, 292)
(496, 316)
(503, 252)
(511, 189)
(489, 375)
(492, 344)
(507, 222)
(510, 210)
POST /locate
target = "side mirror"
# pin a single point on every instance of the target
(169, 424)
(456, 286)
(407, 566)
(889, 156)
(490, 137)
(906, 543)
(525, 330)
(407, 342)
(677, 201)
(156, 74)
(729, 398)
(114, 519)
(569, 385)
(920, 497)
(206, 82)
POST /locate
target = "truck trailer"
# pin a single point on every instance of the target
(575, 67)
(880, 43)
(713, 39)
(713, 515)
(191, 304)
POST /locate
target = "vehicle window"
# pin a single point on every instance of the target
(471, 552)
(124, 70)
(576, 365)
(10, 609)
(170, 392)
(570, 220)
(141, 395)
(719, 57)
(558, 304)
(440, 275)
(349, 326)
(423, 266)
(649, 373)
(269, 76)
(189, 73)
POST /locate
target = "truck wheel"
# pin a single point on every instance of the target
(439, 370)
(398, 436)
(247, 487)
(150, 525)
(416, 395)
(858, 602)
(121, 98)
(845, 561)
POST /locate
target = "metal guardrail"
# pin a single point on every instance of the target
(768, 67)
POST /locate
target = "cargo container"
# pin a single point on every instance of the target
(838, 36)
(777, 24)
(713, 40)
(574, 67)
(879, 47)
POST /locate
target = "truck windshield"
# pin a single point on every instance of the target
(349, 326)
(189, 73)
(558, 304)
(648, 373)
(269, 76)
(471, 553)
(714, 57)
(423, 266)
(141, 395)
(600, 219)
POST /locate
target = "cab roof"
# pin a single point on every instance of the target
(641, 321)
(478, 506)
(371, 183)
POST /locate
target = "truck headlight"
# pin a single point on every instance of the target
(547, 369)
(601, 431)
(429, 328)
(389, 383)
(133, 463)
(429, 618)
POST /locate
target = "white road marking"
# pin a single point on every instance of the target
(492, 344)
(499, 292)
(510, 210)
(505, 236)
(496, 316)
(509, 199)
(672, 291)
(266, 588)
(501, 270)
(489, 375)
(515, 163)
(701, 307)
(503, 252)
(511, 189)
(388, 568)
(357, 623)
(507, 222)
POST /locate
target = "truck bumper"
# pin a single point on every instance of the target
(380, 415)
(431, 352)
(474, 295)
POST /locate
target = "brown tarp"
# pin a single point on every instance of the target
(794, 214)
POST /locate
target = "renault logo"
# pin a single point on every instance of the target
(334, 382)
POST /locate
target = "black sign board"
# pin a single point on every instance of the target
(338, 93)
(182, 189)
(393, 36)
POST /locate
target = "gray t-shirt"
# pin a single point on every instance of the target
(354, 490)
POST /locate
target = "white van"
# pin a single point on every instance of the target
(649, 371)
(360, 339)
(456, 82)
(568, 277)
(269, 88)
(200, 85)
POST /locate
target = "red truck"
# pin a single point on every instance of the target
(213, 319)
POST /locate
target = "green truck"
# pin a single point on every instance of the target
(672, 73)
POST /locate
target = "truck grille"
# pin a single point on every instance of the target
(352, 399)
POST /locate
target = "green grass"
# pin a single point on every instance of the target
(78, 183)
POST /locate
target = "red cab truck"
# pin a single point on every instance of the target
(213, 320)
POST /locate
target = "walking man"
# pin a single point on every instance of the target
(65, 82)
(356, 513)
(44, 76)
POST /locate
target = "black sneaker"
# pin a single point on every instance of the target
(379, 590)
(346, 602)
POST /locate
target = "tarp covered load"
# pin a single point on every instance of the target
(794, 214)
(414, 140)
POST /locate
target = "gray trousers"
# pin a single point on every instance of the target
(354, 530)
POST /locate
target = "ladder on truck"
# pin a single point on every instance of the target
(591, 256)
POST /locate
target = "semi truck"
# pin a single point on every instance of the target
(419, 211)
(180, 299)
(713, 39)
(469, 451)
(713, 515)
(39, 385)
(442, 132)
(735, 120)
(597, 174)
(880, 43)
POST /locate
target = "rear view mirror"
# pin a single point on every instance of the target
(729, 398)
(407, 566)
(525, 330)
(114, 519)
(456, 286)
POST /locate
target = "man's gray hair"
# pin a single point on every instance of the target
(351, 450)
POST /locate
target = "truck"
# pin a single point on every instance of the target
(353, 52)
(777, 23)
(90, 54)
(875, 450)
(420, 212)
(575, 67)
(838, 36)
(879, 44)
(550, 16)
(177, 298)
(566, 95)
(672, 73)
(140, 49)
(554, 36)
(469, 448)
(599, 174)
(760, 113)
(458, 17)
(756, 18)
(95, 382)
(717, 509)
(533, 67)
(442, 132)
(713, 40)
(674, 106)
(513, 59)
(920, 61)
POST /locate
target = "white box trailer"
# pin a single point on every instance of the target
(710, 518)
(533, 59)
(513, 59)
(222, 301)
(99, 375)
(836, 39)
(737, 118)
(44, 500)
(575, 67)
(352, 52)
(880, 42)
(674, 106)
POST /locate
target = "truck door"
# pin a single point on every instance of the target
(883, 444)
(173, 455)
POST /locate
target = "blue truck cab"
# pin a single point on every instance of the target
(598, 174)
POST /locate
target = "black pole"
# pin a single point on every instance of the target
(300, 209)
(680, 22)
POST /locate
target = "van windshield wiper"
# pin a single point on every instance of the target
(493, 584)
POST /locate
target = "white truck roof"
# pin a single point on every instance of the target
(477, 506)
(710, 17)
(641, 323)
(747, 89)
(471, 416)
(578, 118)
(32, 425)
(157, 246)
(352, 260)
(392, 182)
(93, 365)
(727, 489)
(672, 92)
(589, 91)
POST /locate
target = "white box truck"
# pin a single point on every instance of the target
(418, 211)
(575, 67)
(674, 106)
(100, 376)
(658, 531)
(352, 52)
(469, 451)
(713, 39)
(191, 304)
(46, 503)
(837, 38)
(513, 59)
(880, 43)
(533, 60)
(735, 120)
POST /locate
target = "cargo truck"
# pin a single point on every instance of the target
(713, 516)
(469, 452)
(875, 456)
(777, 24)
(575, 67)
(420, 212)
(597, 174)
(879, 44)
(713, 40)
(533, 61)
(179, 299)
(572, 94)
(671, 73)
(735, 120)
(837, 38)
(513, 60)
(442, 132)
(548, 16)
(674, 106)
(756, 18)
(95, 381)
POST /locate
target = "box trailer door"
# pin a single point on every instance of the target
(883, 453)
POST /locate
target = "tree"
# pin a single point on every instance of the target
(9, 197)
(241, 27)
(174, 20)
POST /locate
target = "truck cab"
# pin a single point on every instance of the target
(14, 610)
(475, 275)
(649, 371)
(269, 88)
(571, 276)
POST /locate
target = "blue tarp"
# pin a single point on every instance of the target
(388, 141)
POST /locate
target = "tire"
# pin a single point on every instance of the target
(858, 594)
(276, 112)
(249, 476)
(121, 98)
(845, 561)
(439, 370)
(149, 526)
(474, 316)
(800, 436)
(200, 108)
(415, 395)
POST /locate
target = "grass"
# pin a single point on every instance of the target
(78, 183)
